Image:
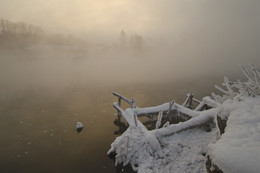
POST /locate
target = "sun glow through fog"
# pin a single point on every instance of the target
(81, 15)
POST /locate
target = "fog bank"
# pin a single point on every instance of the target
(180, 39)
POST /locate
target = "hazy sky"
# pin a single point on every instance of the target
(142, 16)
(231, 20)
(83, 15)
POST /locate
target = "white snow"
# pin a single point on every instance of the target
(128, 115)
(181, 147)
(207, 101)
(182, 152)
(178, 149)
(165, 107)
(193, 122)
(238, 150)
(159, 119)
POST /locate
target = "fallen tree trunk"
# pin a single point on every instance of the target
(204, 117)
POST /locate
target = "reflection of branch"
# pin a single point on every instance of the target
(121, 126)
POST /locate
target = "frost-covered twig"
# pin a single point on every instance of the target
(206, 101)
(159, 120)
(188, 102)
(171, 103)
(249, 88)
(135, 119)
(166, 124)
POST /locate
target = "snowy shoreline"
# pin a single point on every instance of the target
(187, 146)
(238, 149)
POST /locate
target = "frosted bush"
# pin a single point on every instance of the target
(249, 88)
(132, 147)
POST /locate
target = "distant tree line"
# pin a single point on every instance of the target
(12, 29)
(134, 42)
(21, 35)
(18, 34)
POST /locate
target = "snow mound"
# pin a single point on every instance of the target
(132, 147)
(182, 152)
(238, 149)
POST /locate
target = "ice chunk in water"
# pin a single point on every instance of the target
(79, 126)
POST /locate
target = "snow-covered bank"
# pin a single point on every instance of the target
(183, 152)
(185, 147)
(238, 150)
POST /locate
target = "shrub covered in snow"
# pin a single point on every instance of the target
(134, 147)
(249, 88)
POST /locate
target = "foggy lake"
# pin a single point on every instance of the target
(46, 89)
(41, 102)
(61, 60)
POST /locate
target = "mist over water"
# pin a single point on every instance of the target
(178, 39)
(154, 65)
(44, 93)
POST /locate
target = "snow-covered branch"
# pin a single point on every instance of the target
(165, 107)
(158, 123)
(249, 88)
(204, 117)
(207, 101)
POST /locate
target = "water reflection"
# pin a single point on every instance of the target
(121, 126)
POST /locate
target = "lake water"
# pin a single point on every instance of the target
(42, 99)
(37, 126)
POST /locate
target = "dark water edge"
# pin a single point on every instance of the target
(37, 126)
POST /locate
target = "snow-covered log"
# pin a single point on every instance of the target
(129, 116)
(165, 107)
(207, 101)
(204, 117)
(130, 102)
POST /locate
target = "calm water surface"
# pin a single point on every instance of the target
(37, 126)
